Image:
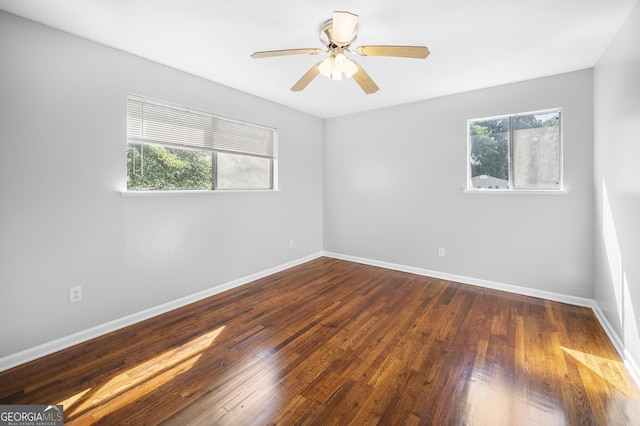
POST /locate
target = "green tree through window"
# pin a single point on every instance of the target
(489, 149)
(521, 151)
(165, 168)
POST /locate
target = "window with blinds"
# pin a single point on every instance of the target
(171, 147)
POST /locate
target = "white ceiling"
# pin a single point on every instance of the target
(474, 44)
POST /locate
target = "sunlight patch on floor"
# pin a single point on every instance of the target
(176, 361)
(611, 371)
(69, 402)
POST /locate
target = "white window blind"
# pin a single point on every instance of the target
(159, 123)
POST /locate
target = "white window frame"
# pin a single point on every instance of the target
(511, 190)
(221, 135)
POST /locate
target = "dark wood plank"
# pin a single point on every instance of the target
(335, 342)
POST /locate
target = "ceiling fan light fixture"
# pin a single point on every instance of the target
(326, 67)
(340, 62)
(335, 65)
(345, 65)
(351, 69)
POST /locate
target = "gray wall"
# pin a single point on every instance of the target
(617, 184)
(63, 222)
(393, 180)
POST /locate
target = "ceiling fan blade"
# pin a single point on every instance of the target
(306, 79)
(419, 52)
(344, 23)
(286, 52)
(364, 80)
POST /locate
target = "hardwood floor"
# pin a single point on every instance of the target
(334, 342)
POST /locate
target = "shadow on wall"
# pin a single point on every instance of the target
(625, 294)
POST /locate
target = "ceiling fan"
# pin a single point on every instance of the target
(337, 34)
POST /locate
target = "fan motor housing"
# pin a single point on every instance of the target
(326, 35)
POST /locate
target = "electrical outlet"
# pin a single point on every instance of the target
(441, 252)
(75, 294)
(290, 243)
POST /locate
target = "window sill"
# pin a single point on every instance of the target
(204, 192)
(516, 191)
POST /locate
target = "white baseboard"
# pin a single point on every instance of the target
(44, 349)
(573, 300)
(630, 364)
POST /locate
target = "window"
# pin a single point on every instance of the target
(177, 148)
(516, 152)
